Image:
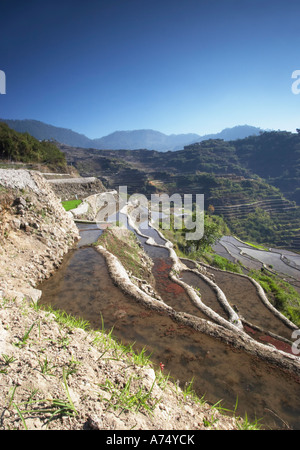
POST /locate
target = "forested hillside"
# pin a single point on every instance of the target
(23, 147)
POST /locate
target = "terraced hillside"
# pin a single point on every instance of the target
(282, 227)
(270, 218)
(251, 202)
(110, 168)
(274, 156)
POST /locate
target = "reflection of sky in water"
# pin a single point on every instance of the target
(235, 251)
(288, 266)
(273, 259)
(89, 233)
(88, 237)
(292, 258)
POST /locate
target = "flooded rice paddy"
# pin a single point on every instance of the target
(82, 287)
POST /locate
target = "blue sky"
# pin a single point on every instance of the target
(173, 66)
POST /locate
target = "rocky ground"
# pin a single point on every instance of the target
(35, 231)
(55, 376)
(55, 373)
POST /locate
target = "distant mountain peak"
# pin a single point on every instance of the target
(126, 139)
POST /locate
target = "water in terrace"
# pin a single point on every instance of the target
(284, 262)
(82, 287)
(240, 292)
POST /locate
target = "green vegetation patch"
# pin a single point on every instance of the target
(71, 204)
(214, 229)
(224, 264)
(280, 293)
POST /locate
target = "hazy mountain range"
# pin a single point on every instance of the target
(126, 140)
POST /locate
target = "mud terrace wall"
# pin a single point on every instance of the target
(35, 232)
(230, 331)
(223, 329)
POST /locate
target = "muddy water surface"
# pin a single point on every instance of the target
(82, 287)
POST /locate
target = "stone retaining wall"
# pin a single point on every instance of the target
(71, 188)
